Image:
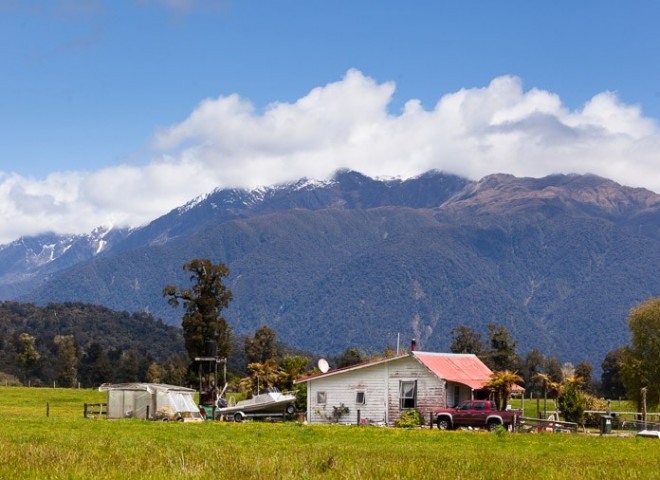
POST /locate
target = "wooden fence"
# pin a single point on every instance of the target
(93, 410)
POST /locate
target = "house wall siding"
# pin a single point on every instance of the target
(380, 384)
(431, 392)
(342, 390)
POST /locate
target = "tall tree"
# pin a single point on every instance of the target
(350, 356)
(203, 304)
(175, 369)
(155, 373)
(67, 360)
(293, 366)
(262, 346)
(27, 353)
(533, 365)
(611, 384)
(640, 361)
(95, 367)
(553, 369)
(466, 340)
(502, 354)
(583, 373)
(128, 369)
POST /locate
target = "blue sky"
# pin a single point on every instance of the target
(118, 111)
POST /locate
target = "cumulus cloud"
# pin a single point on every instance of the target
(227, 142)
(472, 132)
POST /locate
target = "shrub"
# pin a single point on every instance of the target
(572, 403)
(338, 412)
(597, 404)
(409, 418)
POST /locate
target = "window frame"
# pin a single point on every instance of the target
(407, 401)
(321, 397)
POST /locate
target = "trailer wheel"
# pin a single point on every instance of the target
(290, 409)
(238, 417)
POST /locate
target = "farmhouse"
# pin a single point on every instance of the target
(380, 390)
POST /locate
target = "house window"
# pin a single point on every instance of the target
(321, 397)
(408, 395)
(360, 399)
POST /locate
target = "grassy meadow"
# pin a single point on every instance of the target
(65, 445)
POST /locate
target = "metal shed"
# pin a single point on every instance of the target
(151, 401)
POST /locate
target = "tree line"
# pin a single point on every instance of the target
(631, 371)
(74, 344)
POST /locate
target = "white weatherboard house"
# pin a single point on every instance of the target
(380, 390)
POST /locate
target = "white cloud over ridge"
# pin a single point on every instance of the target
(226, 142)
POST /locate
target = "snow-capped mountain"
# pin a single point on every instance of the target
(354, 260)
(28, 261)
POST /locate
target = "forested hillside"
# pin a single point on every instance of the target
(355, 261)
(39, 344)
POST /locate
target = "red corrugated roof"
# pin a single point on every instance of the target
(462, 368)
(454, 367)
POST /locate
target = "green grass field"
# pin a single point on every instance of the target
(67, 446)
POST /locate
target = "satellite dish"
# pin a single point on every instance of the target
(323, 365)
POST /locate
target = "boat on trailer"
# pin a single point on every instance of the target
(271, 403)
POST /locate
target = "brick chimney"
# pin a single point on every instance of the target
(413, 345)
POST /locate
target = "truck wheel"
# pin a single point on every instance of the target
(492, 425)
(443, 424)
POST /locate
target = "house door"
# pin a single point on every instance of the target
(455, 396)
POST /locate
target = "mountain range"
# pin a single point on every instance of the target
(359, 262)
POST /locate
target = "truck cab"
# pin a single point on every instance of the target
(474, 413)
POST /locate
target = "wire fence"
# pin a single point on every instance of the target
(624, 421)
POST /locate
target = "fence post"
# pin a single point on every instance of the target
(48, 409)
(644, 390)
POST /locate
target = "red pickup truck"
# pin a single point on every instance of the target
(474, 413)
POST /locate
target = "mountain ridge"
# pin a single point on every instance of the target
(354, 261)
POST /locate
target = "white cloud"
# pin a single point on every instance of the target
(226, 142)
